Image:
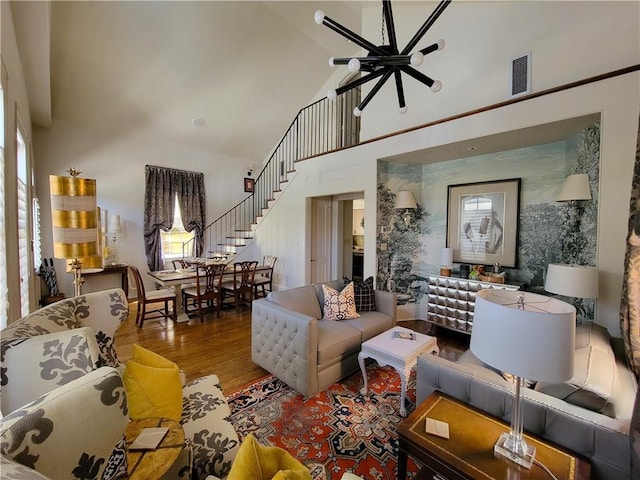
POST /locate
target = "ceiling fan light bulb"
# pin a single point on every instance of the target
(354, 65)
(357, 112)
(440, 44)
(331, 94)
(437, 86)
(403, 110)
(319, 17)
(417, 59)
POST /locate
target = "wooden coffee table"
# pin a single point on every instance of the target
(399, 354)
(152, 464)
(468, 453)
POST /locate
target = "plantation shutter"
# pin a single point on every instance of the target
(23, 247)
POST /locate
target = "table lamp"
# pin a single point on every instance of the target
(446, 261)
(115, 227)
(572, 281)
(74, 219)
(530, 336)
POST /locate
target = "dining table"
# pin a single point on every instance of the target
(181, 276)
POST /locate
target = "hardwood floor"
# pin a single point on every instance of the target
(223, 345)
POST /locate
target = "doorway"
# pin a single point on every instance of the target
(337, 237)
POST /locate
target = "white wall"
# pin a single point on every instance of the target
(118, 165)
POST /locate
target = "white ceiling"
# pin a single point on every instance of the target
(151, 68)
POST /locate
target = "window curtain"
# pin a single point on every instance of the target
(161, 187)
(192, 202)
(630, 303)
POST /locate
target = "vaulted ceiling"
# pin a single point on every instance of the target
(239, 69)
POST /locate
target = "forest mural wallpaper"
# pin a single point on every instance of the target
(549, 231)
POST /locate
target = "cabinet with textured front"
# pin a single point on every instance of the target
(451, 300)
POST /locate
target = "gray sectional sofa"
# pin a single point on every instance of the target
(589, 415)
(291, 340)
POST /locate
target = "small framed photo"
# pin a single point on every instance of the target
(249, 184)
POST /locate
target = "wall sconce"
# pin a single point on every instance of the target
(576, 187)
(404, 199)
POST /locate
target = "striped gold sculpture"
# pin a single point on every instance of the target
(74, 218)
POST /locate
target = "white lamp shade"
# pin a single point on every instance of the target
(114, 224)
(536, 343)
(446, 256)
(572, 280)
(576, 187)
(404, 199)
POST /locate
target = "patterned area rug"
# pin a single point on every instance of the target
(338, 430)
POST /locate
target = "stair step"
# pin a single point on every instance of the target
(232, 244)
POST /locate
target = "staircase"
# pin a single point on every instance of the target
(318, 128)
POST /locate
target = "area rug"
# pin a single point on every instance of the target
(338, 430)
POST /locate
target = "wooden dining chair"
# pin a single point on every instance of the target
(241, 288)
(151, 297)
(207, 290)
(264, 278)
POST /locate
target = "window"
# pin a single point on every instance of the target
(23, 222)
(174, 240)
(4, 305)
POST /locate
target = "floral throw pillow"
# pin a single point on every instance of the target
(339, 305)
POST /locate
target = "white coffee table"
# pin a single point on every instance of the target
(397, 353)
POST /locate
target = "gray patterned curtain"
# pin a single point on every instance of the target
(191, 198)
(161, 187)
(630, 304)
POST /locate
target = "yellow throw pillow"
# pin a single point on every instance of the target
(153, 386)
(258, 462)
(339, 305)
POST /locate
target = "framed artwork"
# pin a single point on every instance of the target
(249, 184)
(482, 222)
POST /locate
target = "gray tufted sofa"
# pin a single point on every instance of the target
(556, 413)
(290, 339)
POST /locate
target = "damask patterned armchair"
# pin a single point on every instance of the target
(65, 405)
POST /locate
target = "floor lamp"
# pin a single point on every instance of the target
(74, 220)
(530, 336)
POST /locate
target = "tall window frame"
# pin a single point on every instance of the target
(24, 216)
(4, 289)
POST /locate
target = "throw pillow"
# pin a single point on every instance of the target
(339, 305)
(153, 386)
(365, 296)
(258, 462)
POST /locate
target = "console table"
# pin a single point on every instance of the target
(119, 269)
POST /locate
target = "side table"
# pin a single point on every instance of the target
(399, 354)
(152, 464)
(468, 453)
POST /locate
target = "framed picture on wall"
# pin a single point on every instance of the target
(482, 222)
(249, 184)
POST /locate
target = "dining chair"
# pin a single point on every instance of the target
(151, 297)
(179, 263)
(264, 278)
(241, 288)
(207, 289)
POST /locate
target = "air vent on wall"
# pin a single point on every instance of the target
(521, 75)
